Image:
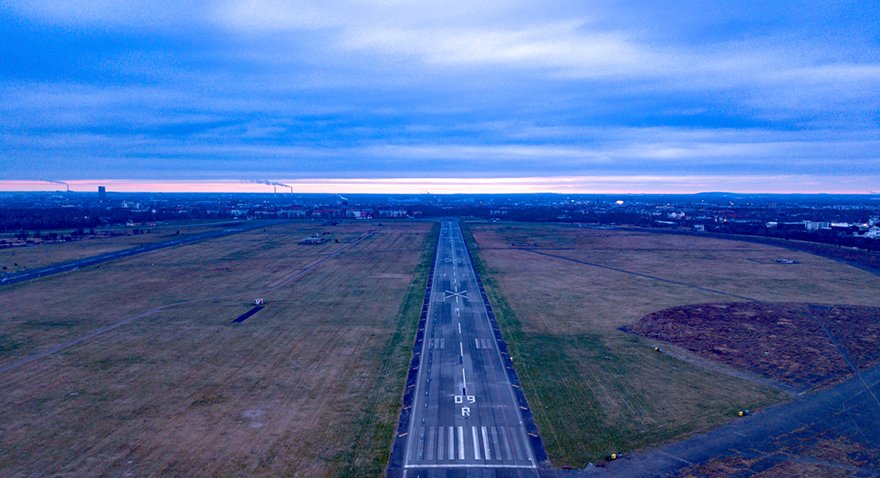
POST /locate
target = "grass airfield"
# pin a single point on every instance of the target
(309, 386)
(18, 259)
(134, 367)
(563, 293)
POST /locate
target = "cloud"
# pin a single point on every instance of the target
(383, 88)
(608, 151)
(141, 14)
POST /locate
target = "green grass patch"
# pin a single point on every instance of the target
(374, 430)
(52, 324)
(607, 391)
(11, 346)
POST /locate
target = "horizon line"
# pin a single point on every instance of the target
(643, 184)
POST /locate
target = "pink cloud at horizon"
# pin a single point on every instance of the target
(555, 184)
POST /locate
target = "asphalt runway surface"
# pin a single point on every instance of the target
(465, 420)
(112, 256)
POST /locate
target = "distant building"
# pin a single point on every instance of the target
(358, 213)
(392, 213)
(102, 193)
(326, 212)
(292, 213)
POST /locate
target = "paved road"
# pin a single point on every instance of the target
(465, 419)
(112, 256)
(847, 409)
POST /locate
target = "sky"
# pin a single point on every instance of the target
(585, 96)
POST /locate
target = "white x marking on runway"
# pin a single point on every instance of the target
(449, 294)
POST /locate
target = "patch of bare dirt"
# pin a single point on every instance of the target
(798, 454)
(786, 342)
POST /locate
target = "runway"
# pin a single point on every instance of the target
(466, 419)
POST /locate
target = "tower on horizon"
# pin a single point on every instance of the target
(102, 193)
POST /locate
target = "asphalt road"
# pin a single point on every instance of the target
(850, 409)
(112, 256)
(465, 419)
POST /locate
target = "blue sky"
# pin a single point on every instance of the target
(671, 96)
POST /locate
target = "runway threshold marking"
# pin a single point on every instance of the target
(471, 465)
(489, 444)
(451, 444)
(486, 452)
(506, 441)
(461, 443)
(476, 443)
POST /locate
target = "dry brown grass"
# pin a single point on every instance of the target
(184, 392)
(17, 259)
(608, 299)
(597, 390)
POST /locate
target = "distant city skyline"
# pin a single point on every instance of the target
(407, 97)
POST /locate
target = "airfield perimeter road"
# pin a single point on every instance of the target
(112, 256)
(465, 420)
